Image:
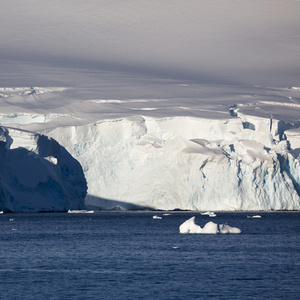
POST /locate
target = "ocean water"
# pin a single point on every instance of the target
(130, 255)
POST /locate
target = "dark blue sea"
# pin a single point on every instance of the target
(130, 255)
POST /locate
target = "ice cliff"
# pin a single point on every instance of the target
(241, 163)
(37, 174)
(136, 153)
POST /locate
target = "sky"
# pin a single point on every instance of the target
(238, 41)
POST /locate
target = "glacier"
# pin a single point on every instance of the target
(242, 156)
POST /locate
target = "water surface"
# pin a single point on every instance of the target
(130, 255)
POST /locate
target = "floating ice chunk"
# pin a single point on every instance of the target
(224, 228)
(80, 211)
(157, 217)
(189, 226)
(210, 228)
(209, 213)
(254, 217)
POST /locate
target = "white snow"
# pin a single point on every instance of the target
(202, 115)
(26, 91)
(22, 118)
(189, 226)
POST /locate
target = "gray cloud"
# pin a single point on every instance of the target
(218, 38)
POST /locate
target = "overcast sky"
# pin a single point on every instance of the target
(224, 39)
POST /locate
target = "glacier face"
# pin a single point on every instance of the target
(37, 174)
(186, 163)
(198, 147)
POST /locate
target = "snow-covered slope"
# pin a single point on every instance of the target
(37, 174)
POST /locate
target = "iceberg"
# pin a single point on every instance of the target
(82, 211)
(254, 217)
(210, 228)
(224, 228)
(211, 214)
(190, 227)
(207, 213)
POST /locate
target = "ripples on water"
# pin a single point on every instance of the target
(117, 255)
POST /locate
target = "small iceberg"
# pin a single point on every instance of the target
(157, 217)
(224, 228)
(190, 227)
(254, 217)
(210, 228)
(208, 213)
(80, 211)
